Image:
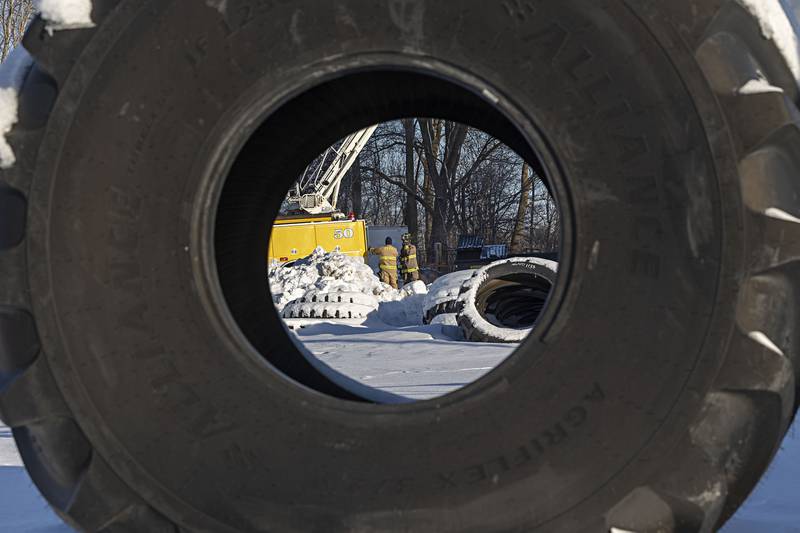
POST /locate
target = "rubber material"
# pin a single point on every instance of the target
(444, 308)
(132, 410)
(503, 300)
(314, 296)
(299, 309)
(442, 297)
(12, 204)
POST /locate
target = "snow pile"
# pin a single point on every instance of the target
(12, 74)
(445, 319)
(66, 14)
(404, 307)
(778, 21)
(445, 289)
(8, 117)
(323, 272)
(309, 279)
(449, 324)
(60, 15)
(339, 304)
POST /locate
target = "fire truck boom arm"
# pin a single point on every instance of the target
(317, 193)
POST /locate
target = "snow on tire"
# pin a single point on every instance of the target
(345, 297)
(501, 301)
(343, 304)
(299, 309)
(442, 297)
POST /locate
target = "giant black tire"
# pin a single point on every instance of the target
(150, 385)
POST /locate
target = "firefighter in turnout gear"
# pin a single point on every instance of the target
(408, 260)
(387, 263)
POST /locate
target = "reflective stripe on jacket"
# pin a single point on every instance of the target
(388, 257)
(408, 258)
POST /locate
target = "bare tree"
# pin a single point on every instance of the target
(522, 211)
(14, 18)
(411, 216)
(435, 130)
(443, 179)
(454, 136)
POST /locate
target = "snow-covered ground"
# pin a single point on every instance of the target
(22, 509)
(774, 507)
(416, 362)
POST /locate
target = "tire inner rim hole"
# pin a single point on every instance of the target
(293, 242)
(513, 303)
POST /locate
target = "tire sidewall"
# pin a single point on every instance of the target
(474, 325)
(360, 460)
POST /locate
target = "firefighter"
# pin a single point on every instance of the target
(408, 260)
(388, 262)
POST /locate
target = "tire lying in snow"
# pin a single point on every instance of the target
(325, 310)
(346, 297)
(442, 297)
(501, 301)
(147, 377)
(331, 305)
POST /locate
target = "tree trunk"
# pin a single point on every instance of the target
(518, 237)
(411, 178)
(549, 219)
(455, 135)
(427, 192)
(432, 135)
(439, 230)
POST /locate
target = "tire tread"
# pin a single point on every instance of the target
(73, 478)
(753, 401)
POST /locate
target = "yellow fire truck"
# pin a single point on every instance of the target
(294, 237)
(316, 220)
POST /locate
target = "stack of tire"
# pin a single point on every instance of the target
(343, 304)
(499, 302)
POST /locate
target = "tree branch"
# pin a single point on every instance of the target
(402, 185)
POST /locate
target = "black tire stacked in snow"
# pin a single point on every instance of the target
(501, 301)
(442, 296)
(344, 304)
